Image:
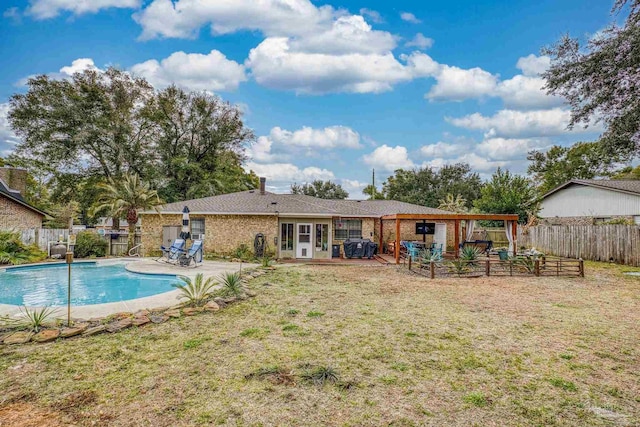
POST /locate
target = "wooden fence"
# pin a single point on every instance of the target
(617, 243)
(518, 266)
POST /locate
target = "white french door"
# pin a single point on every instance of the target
(304, 243)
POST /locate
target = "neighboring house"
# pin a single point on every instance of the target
(295, 226)
(106, 224)
(591, 201)
(15, 212)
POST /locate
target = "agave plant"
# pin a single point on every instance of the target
(459, 267)
(34, 320)
(195, 291)
(232, 284)
(470, 254)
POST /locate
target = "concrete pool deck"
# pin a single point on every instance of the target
(144, 266)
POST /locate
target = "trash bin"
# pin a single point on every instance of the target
(335, 251)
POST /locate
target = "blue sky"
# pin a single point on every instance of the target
(332, 89)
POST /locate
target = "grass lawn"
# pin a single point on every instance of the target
(354, 346)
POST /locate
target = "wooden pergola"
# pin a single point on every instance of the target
(448, 217)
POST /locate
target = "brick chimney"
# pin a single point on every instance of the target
(15, 178)
(263, 183)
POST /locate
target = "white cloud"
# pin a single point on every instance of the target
(354, 188)
(7, 137)
(184, 18)
(420, 41)
(274, 64)
(389, 158)
(44, 9)
(442, 149)
(288, 172)
(327, 138)
(261, 150)
(457, 84)
(509, 148)
(77, 66)
(373, 15)
(516, 124)
(409, 17)
(522, 92)
(533, 65)
(348, 35)
(193, 71)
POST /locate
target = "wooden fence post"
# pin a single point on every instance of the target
(581, 267)
(536, 268)
(488, 267)
(410, 257)
(432, 269)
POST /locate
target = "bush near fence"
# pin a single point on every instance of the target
(117, 246)
(617, 243)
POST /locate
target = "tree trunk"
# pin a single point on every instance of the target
(132, 236)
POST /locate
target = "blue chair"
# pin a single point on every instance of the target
(413, 251)
(194, 254)
(173, 252)
(436, 248)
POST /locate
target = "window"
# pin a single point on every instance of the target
(348, 229)
(322, 238)
(286, 237)
(304, 233)
(197, 228)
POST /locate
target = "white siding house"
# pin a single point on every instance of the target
(592, 201)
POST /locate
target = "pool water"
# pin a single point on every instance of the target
(91, 283)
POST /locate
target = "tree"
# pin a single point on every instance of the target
(98, 126)
(628, 172)
(583, 160)
(507, 194)
(373, 193)
(94, 123)
(426, 187)
(124, 198)
(600, 80)
(320, 189)
(200, 146)
(453, 203)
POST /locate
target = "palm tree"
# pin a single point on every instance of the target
(453, 203)
(124, 198)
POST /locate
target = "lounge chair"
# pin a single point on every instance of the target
(194, 254)
(173, 252)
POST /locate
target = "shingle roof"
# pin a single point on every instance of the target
(621, 185)
(252, 202)
(17, 197)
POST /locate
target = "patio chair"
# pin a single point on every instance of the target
(436, 248)
(194, 254)
(173, 252)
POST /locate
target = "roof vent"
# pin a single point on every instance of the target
(252, 191)
(274, 203)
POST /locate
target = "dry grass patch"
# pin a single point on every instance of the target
(359, 346)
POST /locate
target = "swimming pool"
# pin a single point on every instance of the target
(91, 283)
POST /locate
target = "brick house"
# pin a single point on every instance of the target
(295, 226)
(15, 212)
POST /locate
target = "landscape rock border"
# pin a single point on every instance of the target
(119, 321)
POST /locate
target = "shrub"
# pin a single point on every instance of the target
(232, 284)
(196, 291)
(243, 252)
(14, 251)
(90, 244)
(471, 254)
(35, 319)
